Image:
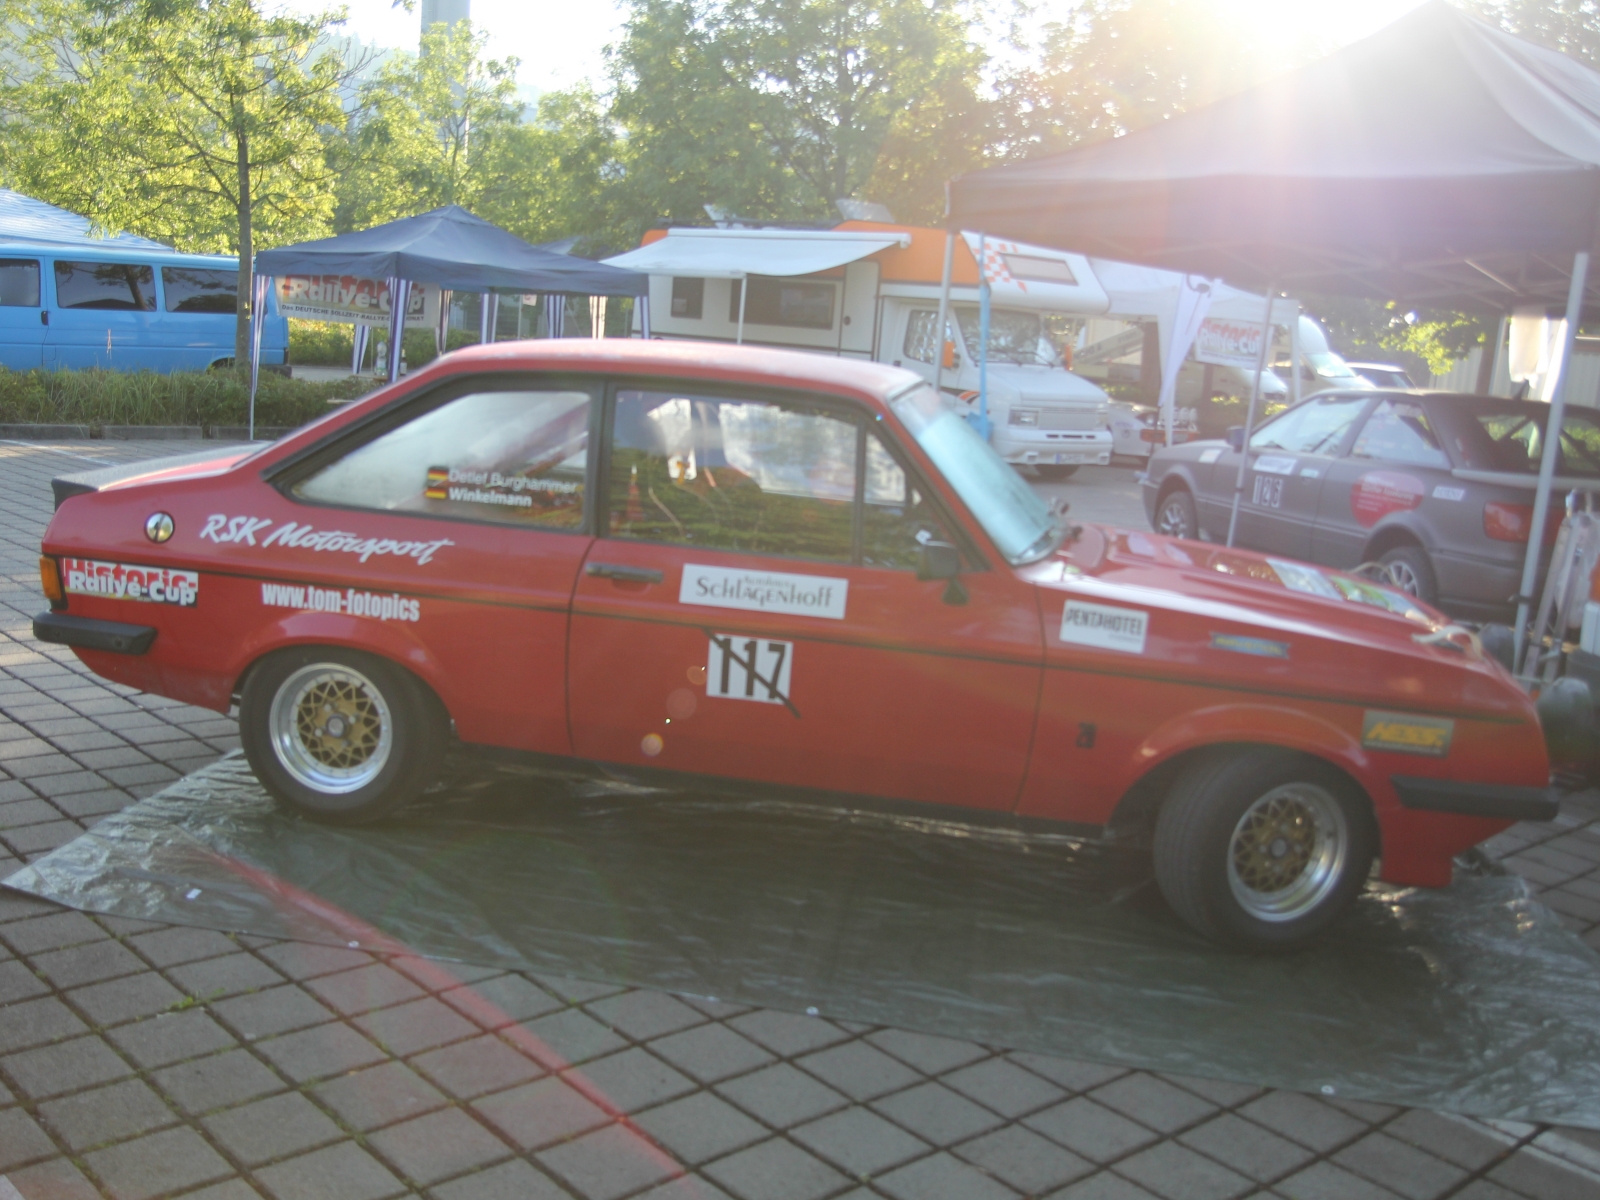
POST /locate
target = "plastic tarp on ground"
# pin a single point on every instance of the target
(736, 253)
(24, 219)
(451, 248)
(1439, 161)
(1472, 999)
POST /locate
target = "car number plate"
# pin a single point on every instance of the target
(1268, 491)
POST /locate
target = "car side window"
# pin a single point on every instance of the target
(515, 457)
(125, 287)
(19, 283)
(1398, 431)
(1317, 426)
(897, 517)
(731, 474)
(194, 291)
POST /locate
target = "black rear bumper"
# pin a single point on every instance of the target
(1498, 800)
(90, 634)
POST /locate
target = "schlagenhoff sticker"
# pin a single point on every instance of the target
(764, 591)
(118, 581)
(1105, 627)
(223, 530)
(349, 602)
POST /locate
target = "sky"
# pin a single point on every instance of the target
(561, 44)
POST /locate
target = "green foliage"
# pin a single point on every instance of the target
(320, 343)
(1424, 340)
(205, 398)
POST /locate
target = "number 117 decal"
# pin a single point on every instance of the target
(748, 668)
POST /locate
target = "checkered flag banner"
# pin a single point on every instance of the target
(994, 266)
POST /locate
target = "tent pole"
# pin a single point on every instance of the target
(1499, 356)
(644, 316)
(1250, 413)
(982, 424)
(258, 317)
(1547, 461)
(744, 293)
(399, 299)
(1294, 353)
(944, 309)
(483, 316)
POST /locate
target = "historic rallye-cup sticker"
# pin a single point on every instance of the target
(348, 602)
(746, 668)
(1104, 627)
(118, 581)
(764, 591)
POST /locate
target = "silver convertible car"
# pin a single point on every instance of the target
(1438, 487)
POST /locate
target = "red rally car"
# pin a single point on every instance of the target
(777, 568)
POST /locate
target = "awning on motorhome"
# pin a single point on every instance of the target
(730, 253)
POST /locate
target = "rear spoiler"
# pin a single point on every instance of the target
(67, 486)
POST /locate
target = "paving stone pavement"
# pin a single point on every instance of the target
(141, 1060)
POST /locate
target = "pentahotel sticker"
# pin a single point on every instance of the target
(1407, 733)
(764, 591)
(1104, 627)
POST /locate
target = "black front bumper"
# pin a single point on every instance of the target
(1497, 800)
(90, 634)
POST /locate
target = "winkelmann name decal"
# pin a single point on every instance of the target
(223, 530)
(764, 591)
(152, 585)
(349, 602)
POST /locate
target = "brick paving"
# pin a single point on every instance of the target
(141, 1060)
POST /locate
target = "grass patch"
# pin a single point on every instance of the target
(204, 398)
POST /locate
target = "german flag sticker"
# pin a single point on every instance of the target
(1407, 733)
(438, 477)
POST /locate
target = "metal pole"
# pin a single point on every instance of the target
(258, 318)
(1547, 461)
(1250, 413)
(644, 316)
(744, 293)
(1499, 355)
(485, 321)
(1294, 353)
(399, 299)
(944, 308)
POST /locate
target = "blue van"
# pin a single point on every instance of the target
(122, 308)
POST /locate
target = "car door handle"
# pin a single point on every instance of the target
(630, 574)
(44, 316)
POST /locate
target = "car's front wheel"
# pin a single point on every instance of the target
(1176, 516)
(1261, 848)
(338, 735)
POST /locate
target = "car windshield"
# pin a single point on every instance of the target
(1014, 337)
(1331, 366)
(1019, 523)
(1508, 435)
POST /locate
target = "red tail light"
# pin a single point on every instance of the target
(1513, 522)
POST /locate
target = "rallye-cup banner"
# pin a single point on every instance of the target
(353, 300)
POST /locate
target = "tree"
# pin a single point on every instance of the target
(776, 108)
(205, 122)
(423, 129)
(1570, 26)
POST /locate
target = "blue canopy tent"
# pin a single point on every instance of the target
(449, 248)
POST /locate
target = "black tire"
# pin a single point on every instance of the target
(382, 744)
(1411, 570)
(1230, 825)
(1175, 515)
(1056, 472)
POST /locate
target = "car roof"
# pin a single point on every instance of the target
(1375, 366)
(634, 356)
(111, 252)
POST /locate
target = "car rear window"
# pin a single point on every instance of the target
(1508, 435)
(116, 286)
(197, 291)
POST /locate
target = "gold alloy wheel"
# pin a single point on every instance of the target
(1288, 852)
(331, 728)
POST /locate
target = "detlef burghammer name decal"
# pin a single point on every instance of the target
(764, 591)
(1105, 627)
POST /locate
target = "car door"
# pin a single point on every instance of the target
(21, 315)
(1389, 471)
(103, 316)
(196, 326)
(753, 611)
(470, 503)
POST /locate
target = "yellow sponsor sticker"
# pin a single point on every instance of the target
(1407, 733)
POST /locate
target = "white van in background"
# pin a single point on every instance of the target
(870, 290)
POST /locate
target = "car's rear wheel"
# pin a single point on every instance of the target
(1410, 570)
(1261, 848)
(1175, 517)
(338, 735)
(1055, 472)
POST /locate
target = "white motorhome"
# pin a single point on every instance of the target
(871, 290)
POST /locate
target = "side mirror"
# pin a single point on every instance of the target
(1235, 436)
(941, 560)
(948, 355)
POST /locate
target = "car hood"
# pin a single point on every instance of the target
(1217, 612)
(1043, 385)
